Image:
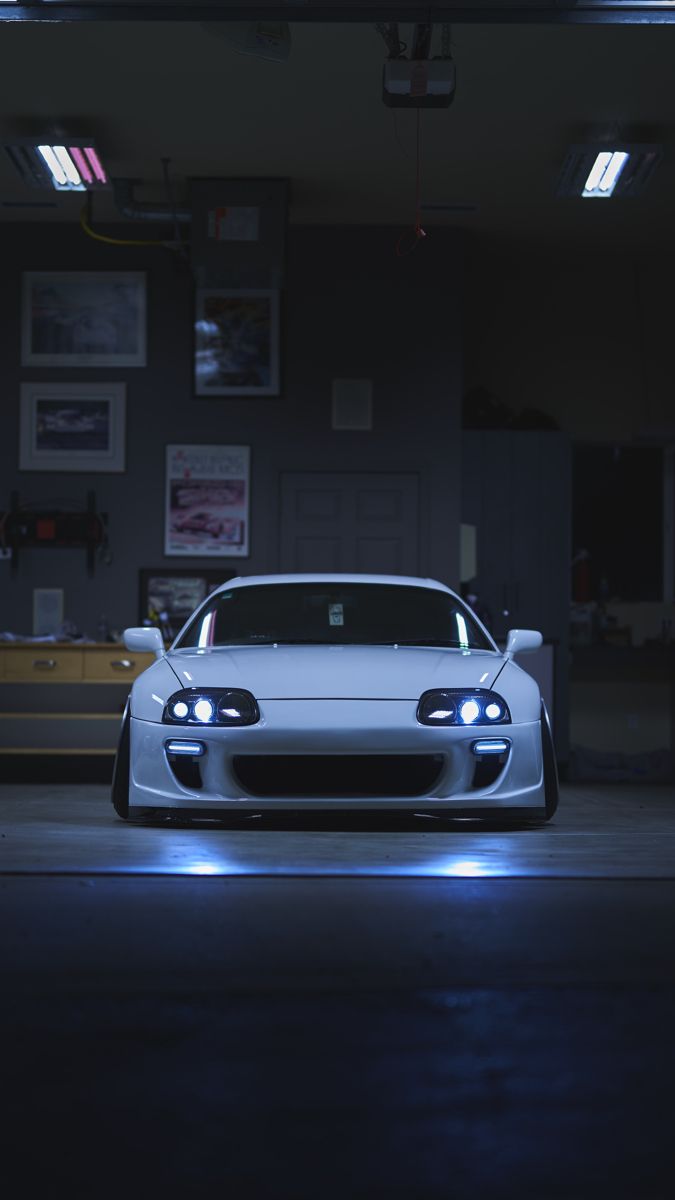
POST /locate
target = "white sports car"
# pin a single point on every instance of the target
(335, 691)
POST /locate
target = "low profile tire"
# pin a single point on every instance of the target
(551, 785)
(120, 780)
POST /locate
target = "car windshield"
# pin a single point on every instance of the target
(339, 614)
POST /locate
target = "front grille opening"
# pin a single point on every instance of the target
(488, 770)
(325, 775)
(186, 770)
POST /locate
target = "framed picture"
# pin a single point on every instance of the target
(237, 342)
(72, 427)
(47, 611)
(207, 501)
(169, 595)
(83, 319)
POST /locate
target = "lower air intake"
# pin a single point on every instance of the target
(326, 775)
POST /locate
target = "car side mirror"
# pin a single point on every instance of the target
(145, 639)
(522, 641)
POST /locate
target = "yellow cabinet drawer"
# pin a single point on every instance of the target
(44, 662)
(114, 663)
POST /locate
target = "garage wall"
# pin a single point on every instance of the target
(583, 336)
(351, 308)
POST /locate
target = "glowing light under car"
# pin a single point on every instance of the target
(464, 869)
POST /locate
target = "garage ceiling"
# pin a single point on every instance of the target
(525, 92)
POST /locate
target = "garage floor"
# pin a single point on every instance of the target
(339, 1008)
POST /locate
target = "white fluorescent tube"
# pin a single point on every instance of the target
(598, 170)
(618, 162)
(68, 165)
(53, 164)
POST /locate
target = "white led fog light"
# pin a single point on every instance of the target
(491, 746)
(181, 746)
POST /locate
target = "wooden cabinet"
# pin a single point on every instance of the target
(64, 699)
(42, 664)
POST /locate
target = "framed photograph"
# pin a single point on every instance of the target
(72, 427)
(207, 501)
(169, 595)
(47, 611)
(237, 342)
(83, 319)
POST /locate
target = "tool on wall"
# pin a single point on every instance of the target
(30, 526)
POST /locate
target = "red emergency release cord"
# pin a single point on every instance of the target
(418, 232)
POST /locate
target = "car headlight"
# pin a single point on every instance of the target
(211, 706)
(462, 706)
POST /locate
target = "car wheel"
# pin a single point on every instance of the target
(120, 779)
(551, 785)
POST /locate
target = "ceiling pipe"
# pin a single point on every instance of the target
(133, 210)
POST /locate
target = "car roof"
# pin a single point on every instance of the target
(333, 577)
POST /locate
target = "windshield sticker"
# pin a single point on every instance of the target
(336, 614)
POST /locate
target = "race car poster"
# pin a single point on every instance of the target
(207, 501)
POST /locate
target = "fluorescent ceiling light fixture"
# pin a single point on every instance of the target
(68, 166)
(54, 165)
(605, 173)
(602, 170)
(71, 165)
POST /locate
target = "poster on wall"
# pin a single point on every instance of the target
(237, 343)
(207, 501)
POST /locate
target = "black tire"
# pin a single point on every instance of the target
(120, 780)
(551, 784)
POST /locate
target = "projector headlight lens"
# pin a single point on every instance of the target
(469, 712)
(204, 710)
(462, 706)
(211, 706)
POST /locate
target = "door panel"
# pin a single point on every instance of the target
(378, 506)
(379, 555)
(317, 554)
(334, 521)
(311, 504)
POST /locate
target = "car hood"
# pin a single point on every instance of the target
(325, 672)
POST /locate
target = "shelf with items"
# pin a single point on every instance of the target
(78, 711)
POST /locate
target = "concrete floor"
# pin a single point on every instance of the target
(599, 832)
(342, 1009)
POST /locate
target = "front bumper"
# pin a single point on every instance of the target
(360, 728)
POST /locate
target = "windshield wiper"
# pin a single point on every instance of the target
(431, 642)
